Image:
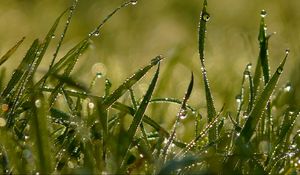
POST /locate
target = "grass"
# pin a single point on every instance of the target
(54, 124)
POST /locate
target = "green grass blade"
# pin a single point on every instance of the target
(138, 117)
(67, 72)
(211, 111)
(263, 43)
(260, 104)
(129, 83)
(39, 131)
(62, 36)
(181, 114)
(22, 68)
(11, 51)
(174, 165)
(171, 101)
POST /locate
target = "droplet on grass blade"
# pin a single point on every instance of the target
(4, 107)
(287, 88)
(134, 2)
(2, 122)
(263, 13)
(38, 103)
(205, 16)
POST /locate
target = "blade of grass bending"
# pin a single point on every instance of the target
(11, 51)
(171, 100)
(73, 60)
(114, 96)
(96, 31)
(260, 104)
(182, 112)
(62, 36)
(23, 66)
(211, 111)
(138, 116)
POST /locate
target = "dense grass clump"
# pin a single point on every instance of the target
(54, 124)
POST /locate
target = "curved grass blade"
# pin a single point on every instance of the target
(138, 116)
(110, 99)
(11, 51)
(211, 110)
(62, 36)
(73, 60)
(96, 32)
(22, 68)
(171, 100)
(260, 104)
(70, 82)
(181, 113)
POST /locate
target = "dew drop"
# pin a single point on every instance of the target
(287, 88)
(38, 103)
(182, 114)
(2, 122)
(141, 155)
(263, 13)
(279, 70)
(287, 51)
(96, 33)
(99, 68)
(91, 105)
(53, 36)
(99, 75)
(205, 17)
(70, 164)
(4, 107)
(134, 2)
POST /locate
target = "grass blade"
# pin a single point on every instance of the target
(138, 117)
(129, 83)
(11, 51)
(211, 111)
(261, 103)
(181, 114)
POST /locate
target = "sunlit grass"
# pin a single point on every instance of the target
(57, 124)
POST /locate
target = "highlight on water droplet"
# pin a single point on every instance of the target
(133, 2)
(287, 88)
(279, 70)
(4, 107)
(182, 114)
(287, 51)
(91, 105)
(38, 103)
(263, 13)
(99, 69)
(2, 122)
(205, 16)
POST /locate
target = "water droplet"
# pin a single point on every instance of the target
(287, 51)
(53, 36)
(2, 122)
(37, 173)
(99, 75)
(38, 103)
(134, 2)
(182, 114)
(249, 66)
(263, 13)
(287, 88)
(99, 68)
(96, 33)
(205, 16)
(26, 137)
(279, 70)
(91, 105)
(141, 155)
(4, 107)
(245, 116)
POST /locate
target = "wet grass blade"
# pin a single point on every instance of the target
(138, 117)
(181, 114)
(11, 51)
(211, 111)
(22, 68)
(39, 131)
(260, 104)
(129, 83)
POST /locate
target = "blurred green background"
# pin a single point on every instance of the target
(168, 27)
